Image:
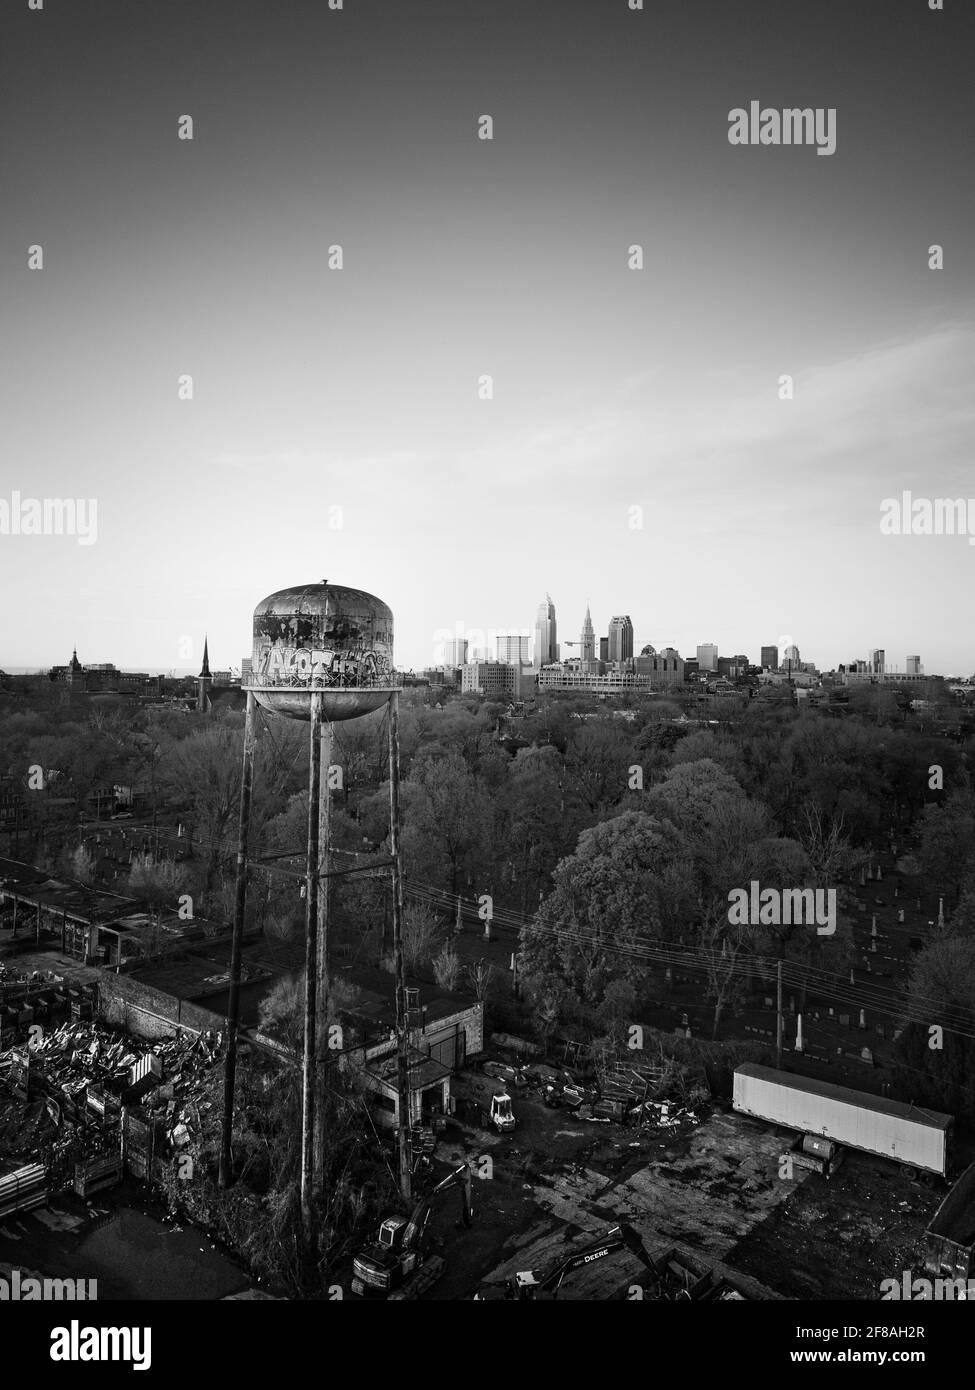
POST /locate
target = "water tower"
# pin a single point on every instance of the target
(322, 638)
(322, 653)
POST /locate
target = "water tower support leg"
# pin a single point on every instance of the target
(402, 1033)
(323, 1052)
(311, 979)
(240, 899)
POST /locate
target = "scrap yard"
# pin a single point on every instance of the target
(703, 1187)
(92, 1120)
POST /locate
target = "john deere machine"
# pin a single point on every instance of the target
(534, 1283)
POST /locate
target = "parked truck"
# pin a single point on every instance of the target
(906, 1133)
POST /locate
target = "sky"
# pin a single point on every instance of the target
(636, 453)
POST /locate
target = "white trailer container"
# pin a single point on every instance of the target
(890, 1128)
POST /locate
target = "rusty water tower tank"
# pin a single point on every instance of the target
(322, 637)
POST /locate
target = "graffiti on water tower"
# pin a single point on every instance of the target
(353, 665)
(311, 647)
(313, 638)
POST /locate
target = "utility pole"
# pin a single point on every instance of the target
(402, 1032)
(324, 892)
(778, 1016)
(309, 1058)
(240, 898)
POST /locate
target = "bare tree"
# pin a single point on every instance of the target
(447, 968)
(481, 976)
(826, 845)
(158, 880)
(421, 933)
(721, 944)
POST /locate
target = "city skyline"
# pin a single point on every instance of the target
(455, 650)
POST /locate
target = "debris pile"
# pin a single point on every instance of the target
(83, 1093)
(22, 1188)
(43, 998)
(667, 1114)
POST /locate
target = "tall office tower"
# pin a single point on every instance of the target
(514, 649)
(914, 667)
(770, 658)
(455, 651)
(620, 638)
(790, 658)
(876, 659)
(587, 640)
(546, 645)
(604, 648)
(707, 657)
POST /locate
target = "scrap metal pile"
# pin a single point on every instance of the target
(81, 1094)
(619, 1094)
(681, 1276)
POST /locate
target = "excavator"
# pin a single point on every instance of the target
(530, 1283)
(390, 1266)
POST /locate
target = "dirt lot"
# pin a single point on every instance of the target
(840, 1239)
(713, 1189)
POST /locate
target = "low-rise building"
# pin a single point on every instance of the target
(609, 683)
(447, 1031)
(665, 669)
(495, 678)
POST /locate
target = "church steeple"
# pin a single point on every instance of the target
(75, 663)
(203, 682)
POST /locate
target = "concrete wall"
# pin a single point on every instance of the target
(470, 1022)
(148, 1013)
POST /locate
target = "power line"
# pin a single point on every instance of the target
(886, 1000)
(823, 983)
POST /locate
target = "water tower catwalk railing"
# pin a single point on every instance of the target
(349, 693)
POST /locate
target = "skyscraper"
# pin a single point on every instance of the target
(707, 656)
(770, 658)
(587, 642)
(546, 645)
(455, 651)
(514, 649)
(914, 667)
(876, 659)
(620, 638)
(790, 658)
